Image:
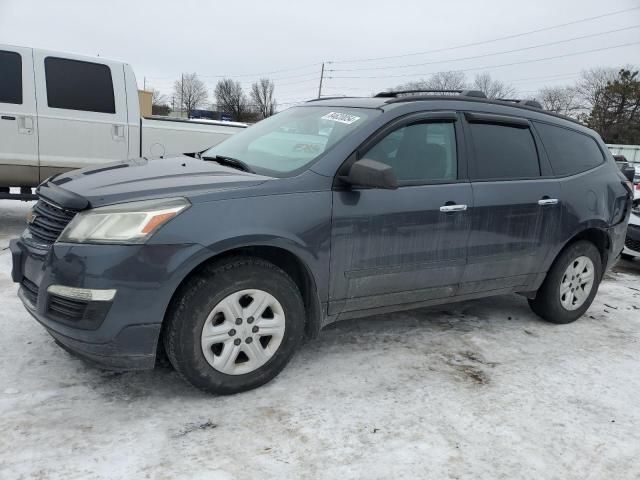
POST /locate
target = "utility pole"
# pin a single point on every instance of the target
(321, 78)
(144, 83)
(181, 93)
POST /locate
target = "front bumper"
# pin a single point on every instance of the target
(632, 240)
(122, 333)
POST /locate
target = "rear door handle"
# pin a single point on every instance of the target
(8, 117)
(453, 208)
(548, 201)
(117, 132)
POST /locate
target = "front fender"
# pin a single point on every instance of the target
(299, 223)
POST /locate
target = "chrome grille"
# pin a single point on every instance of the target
(632, 244)
(49, 221)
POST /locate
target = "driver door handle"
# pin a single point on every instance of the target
(453, 208)
(548, 201)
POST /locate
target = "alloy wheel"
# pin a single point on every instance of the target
(577, 283)
(243, 331)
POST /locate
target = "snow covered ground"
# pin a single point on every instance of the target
(477, 390)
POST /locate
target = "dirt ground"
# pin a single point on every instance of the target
(477, 390)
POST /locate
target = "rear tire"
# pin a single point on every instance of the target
(565, 295)
(211, 336)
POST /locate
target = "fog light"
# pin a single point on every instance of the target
(85, 294)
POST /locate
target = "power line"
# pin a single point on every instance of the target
(238, 75)
(544, 77)
(257, 75)
(487, 54)
(487, 67)
(484, 42)
(208, 77)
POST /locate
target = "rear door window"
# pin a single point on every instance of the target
(77, 85)
(570, 152)
(502, 152)
(10, 77)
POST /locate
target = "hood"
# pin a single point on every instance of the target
(142, 179)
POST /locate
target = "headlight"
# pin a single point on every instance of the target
(132, 222)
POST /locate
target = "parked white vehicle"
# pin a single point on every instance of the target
(632, 240)
(61, 111)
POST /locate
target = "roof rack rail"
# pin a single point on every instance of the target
(528, 103)
(463, 93)
(327, 98)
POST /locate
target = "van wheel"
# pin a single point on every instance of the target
(234, 326)
(570, 285)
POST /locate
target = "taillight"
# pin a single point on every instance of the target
(629, 186)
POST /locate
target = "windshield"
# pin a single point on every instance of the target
(288, 142)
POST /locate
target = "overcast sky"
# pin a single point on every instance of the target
(161, 39)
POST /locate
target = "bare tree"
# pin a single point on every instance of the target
(159, 103)
(190, 92)
(231, 98)
(158, 98)
(492, 88)
(438, 81)
(592, 83)
(262, 97)
(563, 100)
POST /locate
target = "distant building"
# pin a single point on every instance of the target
(630, 152)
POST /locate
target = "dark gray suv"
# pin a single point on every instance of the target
(226, 259)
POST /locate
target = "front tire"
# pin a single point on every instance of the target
(571, 284)
(234, 326)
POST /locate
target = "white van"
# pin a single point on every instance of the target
(61, 111)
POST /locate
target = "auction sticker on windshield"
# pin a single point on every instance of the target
(341, 117)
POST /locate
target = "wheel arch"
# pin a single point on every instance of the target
(597, 235)
(288, 259)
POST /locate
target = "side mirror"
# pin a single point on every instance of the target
(371, 173)
(629, 172)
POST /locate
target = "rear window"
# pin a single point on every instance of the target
(569, 152)
(10, 77)
(76, 85)
(503, 152)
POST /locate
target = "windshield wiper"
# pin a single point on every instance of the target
(229, 162)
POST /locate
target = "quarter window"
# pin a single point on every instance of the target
(503, 152)
(10, 77)
(423, 152)
(569, 152)
(76, 85)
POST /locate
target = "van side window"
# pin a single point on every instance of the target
(502, 152)
(11, 77)
(76, 85)
(423, 152)
(570, 152)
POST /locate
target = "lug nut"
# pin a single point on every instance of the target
(255, 329)
(249, 340)
(250, 320)
(237, 341)
(232, 332)
(238, 321)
